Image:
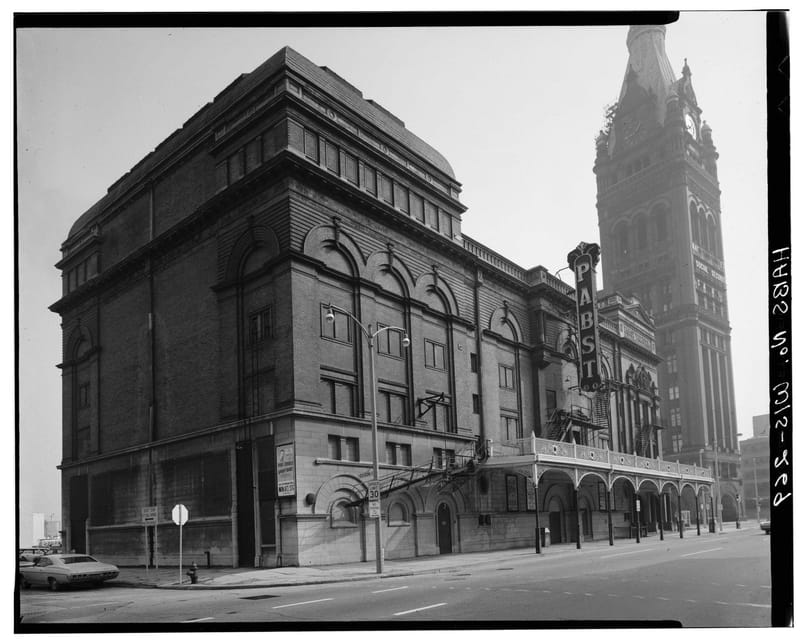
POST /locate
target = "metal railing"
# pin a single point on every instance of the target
(535, 446)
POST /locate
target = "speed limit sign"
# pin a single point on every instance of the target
(374, 497)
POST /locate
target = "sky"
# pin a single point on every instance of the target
(514, 110)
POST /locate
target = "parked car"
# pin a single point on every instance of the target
(765, 526)
(65, 569)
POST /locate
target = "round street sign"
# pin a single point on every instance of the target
(179, 514)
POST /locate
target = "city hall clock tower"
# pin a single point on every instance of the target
(660, 226)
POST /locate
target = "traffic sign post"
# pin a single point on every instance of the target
(374, 498)
(180, 517)
(150, 518)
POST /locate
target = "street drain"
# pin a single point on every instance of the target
(505, 569)
(258, 597)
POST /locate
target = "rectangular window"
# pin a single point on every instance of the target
(431, 217)
(369, 180)
(434, 355)
(445, 223)
(236, 166)
(339, 328)
(351, 168)
(270, 142)
(674, 393)
(674, 417)
(417, 209)
(671, 363)
(401, 198)
(350, 449)
(474, 363)
(384, 188)
(221, 176)
(506, 377)
(444, 458)
(339, 448)
(332, 158)
(252, 155)
(440, 417)
(311, 145)
(296, 136)
(260, 326)
(404, 459)
(510, 427)
(391, 453)
(390, 343)
(337, 397)
(334, 447)
(476, 403)
(392, 407)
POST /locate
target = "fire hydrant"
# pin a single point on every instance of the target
(192, 573)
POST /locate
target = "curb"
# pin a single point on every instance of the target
(328, 580)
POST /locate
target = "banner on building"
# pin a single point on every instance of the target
(583, 261)
(286, 470)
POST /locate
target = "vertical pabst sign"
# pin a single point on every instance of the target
(583, 261)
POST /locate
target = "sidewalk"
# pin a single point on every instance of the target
(246, 578)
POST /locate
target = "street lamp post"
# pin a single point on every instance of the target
(716, 482)
(370, 335)
(755, 484)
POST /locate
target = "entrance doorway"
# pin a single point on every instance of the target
(555, 527)
(246, 505)
(444, 528)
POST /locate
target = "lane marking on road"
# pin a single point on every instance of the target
(662, 598)
(686, 555)
(639, 597)
(694, 601)
(745, 604)
(590, 595)
(392, 589)
(297, 604)
(741, 585)
(612, 595)
(568, 593)
(625, 553)
(430, 606)
(766, 586)
(198, 619)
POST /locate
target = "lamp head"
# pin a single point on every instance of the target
(406, 342)
(330, 317)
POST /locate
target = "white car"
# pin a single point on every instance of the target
(64, 569)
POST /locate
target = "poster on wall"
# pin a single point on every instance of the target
(286, 470)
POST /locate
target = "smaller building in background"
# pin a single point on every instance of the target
(756, 469)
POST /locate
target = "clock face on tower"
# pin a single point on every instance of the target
(691, 126)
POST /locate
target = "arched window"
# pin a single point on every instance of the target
(622, 238)
(711, 232)
(398, 515)
(659, 216)
(640, 232)
(342, 514)
(695, 224)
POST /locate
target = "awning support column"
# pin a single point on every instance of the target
(609, 516)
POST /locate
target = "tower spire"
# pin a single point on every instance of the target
(648, 61)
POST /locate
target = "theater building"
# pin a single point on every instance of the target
(214, 309)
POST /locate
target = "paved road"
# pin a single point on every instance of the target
(708, 581)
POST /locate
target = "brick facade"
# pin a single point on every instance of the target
(198, 340)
